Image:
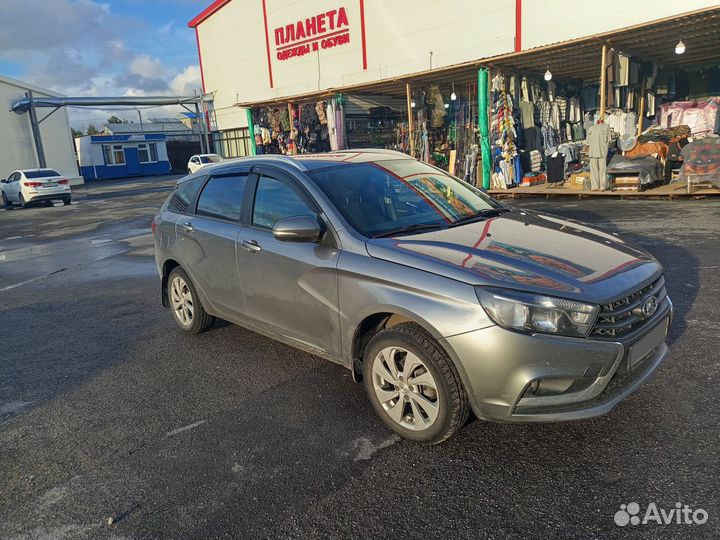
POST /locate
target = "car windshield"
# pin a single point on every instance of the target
(386, 196)
(41, 173)
(210, 159)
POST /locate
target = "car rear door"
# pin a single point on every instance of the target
(206, 240)
(290, 288)
(13, 186)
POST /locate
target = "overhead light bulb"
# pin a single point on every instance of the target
(548, 75)
(412, 104)
(453, 96)
(447, 105)
(680, 47)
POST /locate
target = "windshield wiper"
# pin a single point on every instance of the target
(409, 229)
(480, 215)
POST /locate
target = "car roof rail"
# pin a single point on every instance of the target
(386, 151)
(280, 157)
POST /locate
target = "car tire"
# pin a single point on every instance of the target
(189, 171)
(67, 202)
(427, 412)
(185, 304)
(23, 203)
(6, 203)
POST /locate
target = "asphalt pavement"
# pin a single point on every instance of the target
(115, 424)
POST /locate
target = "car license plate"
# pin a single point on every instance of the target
(648, 343)
(50, 184)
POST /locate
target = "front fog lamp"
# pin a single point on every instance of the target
(530, 313)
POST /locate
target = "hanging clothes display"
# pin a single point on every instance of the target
(504, 133)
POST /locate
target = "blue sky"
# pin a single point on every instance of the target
(100, 48)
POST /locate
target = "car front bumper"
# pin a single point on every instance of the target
(498, 367)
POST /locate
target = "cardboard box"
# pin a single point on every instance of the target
(580, 181)
(626, 183)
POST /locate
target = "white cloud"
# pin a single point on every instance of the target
(84, 48)
(151, 68)
(187, 82)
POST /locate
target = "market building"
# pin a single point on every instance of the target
(17, 147)
(502, 94)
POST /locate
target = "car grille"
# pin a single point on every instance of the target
(622, 316)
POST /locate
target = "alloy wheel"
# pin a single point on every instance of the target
(182, 301)
(405, 388)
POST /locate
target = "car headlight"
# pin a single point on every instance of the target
(527, 312)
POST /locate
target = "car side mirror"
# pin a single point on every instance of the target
(3, 181)
(298, 229)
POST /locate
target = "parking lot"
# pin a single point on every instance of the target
(114, 424)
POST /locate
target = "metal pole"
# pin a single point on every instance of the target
(408, 97)
(199, 121)
(36, 131)
(251, 132)
(642, 111)
(142, 128)
(206, 123)
(603, 82)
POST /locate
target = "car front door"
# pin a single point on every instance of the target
(290, 288)
(207, 241)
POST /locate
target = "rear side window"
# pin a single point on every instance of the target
(42, 173)
(183, 194)
(222, 197)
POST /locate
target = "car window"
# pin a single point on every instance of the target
(194, 160)
(390, 194)
(184, 193)
(222, 197)
(41, 173)
(275, 200)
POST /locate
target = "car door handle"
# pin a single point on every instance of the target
(187, 226)
(250, 245)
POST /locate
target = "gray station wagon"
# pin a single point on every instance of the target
(440, 299)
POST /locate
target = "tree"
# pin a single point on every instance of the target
(76, 132)
(91, 129)
(114, 120)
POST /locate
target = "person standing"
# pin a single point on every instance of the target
(598, 140)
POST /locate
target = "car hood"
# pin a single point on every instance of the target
(527, 250)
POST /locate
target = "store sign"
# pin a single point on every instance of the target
(323, 31)
(311, 39)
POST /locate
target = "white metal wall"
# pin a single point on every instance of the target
(17, 147)
(400, 34)
(549, 21)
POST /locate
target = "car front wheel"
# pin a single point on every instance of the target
(6, 203)
(187, 310)
(413, 385)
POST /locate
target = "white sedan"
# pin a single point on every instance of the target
(198, 161)
(31, 186)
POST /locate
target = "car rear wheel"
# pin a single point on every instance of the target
(187, 310)
(23, 203)
(67, 201)
(413, 385)
(6, 203)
